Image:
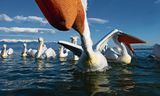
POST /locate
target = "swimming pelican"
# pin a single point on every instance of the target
(24, 51)
(74, 41)
(5, 53)
(63, 52)
(123, 52)
(65, 14)
(43, 51)
(156, 51)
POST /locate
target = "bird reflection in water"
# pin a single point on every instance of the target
(122, 82)
(40, 65)
(63, 59)
(93, 83)
(24, 60)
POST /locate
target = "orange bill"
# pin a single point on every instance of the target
(63, 14)
(127, 39)
(60, 13)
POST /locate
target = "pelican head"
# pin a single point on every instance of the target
(40, 39)
(74, 39)
(4, 46)
(24, 44)
(127, 39)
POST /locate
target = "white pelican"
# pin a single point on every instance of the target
(74, 41)
(24, 51)
(65, 14)
(5, 53)
(42, 51)
(123, 52)
(63, 52)
(156, 51)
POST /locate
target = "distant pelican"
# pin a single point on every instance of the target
(74, 40)
(24, 51)
(63, 52)
(43, 51)
(5, 53)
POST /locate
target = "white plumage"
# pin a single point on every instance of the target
(5, 53)
(42, 51)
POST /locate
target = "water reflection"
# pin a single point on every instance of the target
(122, 79)
(4, 61)
(40, 65)
(93, 83)
(62, 59)
(29, 77)
(24, 60)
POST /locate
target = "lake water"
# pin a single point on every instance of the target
(29, 77)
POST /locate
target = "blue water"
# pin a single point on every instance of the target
(29, 77)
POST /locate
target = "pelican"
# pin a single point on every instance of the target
(65, 17)
(42, 51)
(156, 51)
(123, 52)
(63, 52)
(5, 53)
(24, 51)
(74, 41)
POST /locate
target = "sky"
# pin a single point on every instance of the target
(22, 19)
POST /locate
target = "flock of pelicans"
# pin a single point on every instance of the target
(67, 14)
(122, 53)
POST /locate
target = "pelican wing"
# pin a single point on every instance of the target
(32, 52)
(111, 54)
(50, 53)
(76, 49)
(100, 45)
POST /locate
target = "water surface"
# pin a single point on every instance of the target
(29, 77)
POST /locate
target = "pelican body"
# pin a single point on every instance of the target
(74, 41)
(5, 53)
(24, 51)
(42, 51)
